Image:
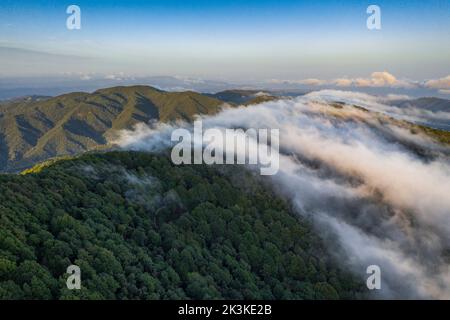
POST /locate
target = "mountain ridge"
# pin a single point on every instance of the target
(35, 130)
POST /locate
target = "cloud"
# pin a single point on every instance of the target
(393, 97)
(376, 79)
(120, 76)
(387, 105)
(383, 79)
(442, 83)
(309, 81)
(113, 77)
(343, 82)
(312, 82)
(261, 94)
(377, 193)
(85, 77)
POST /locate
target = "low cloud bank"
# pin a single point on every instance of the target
(388, 105)
(378, 79)
(379, 190)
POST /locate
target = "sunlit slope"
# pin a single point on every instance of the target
(32, 131)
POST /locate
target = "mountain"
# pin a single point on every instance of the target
(434, 112)
(140, 227)
(427, 103)
(243, 97)
(33, 129)
(11, 87)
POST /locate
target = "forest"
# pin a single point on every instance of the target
(140, 227)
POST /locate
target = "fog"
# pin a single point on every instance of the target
(377, 193)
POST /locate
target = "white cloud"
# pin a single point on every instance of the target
(261, 94)
(376, 79)
(119, 76)
(112, 77)
(309, 81)
(356, 177)
(85, 77)
(442, 83)
(393, 97)
(343, 82)
(313, 82)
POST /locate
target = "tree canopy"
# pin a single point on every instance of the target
(140, 227)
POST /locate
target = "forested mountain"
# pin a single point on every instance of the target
(37, 128)
(434, 112)
(141, 228)
(245, 97)
(426, 103)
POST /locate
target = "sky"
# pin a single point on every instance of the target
(231, 40)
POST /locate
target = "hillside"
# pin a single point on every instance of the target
(141, 228)
(433, 111)
(427, 103)
(35, 128)
(243, 97)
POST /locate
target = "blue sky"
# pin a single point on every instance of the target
(251, 40)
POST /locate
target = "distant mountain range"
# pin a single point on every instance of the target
(434, 112)
(53, 86)
(36, 128)
(427, 103)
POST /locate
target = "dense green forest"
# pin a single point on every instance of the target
(141, 228)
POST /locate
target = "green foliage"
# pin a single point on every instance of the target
(141, 228)
(33, 130)
(44, 164)
(439, 135)
(243, 97)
